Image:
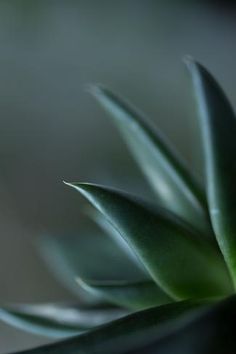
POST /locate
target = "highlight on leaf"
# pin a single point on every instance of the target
(144, 277)
(218, 128)
(175, 257)
(176, 188)
(67, 258)
(109, 230)
(124, 334)
(131, 295)
(57, 320)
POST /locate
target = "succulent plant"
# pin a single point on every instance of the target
(177, 255)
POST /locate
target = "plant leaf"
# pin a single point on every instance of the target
(109, 230)
(218, 127)
(211, 332)
(176, 188)
(127, 332)
(69, 257)
(182, 263)
(57, 320)
(132, 295)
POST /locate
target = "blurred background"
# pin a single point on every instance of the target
(51, 129)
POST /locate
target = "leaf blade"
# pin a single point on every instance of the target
(175, 257)
(124, 333)
(67, 257)
(218, 130)
(109, 230)
(131, 295)
(176, 188)
(57, 320)
(211, 332)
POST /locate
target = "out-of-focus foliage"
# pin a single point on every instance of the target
(189, 290)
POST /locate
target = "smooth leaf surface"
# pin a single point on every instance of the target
(218, 127)
(213, 332)
(127, 332)
(131, 295)
(182, 263)
(109, 230)
(57, 320)
(167, 173)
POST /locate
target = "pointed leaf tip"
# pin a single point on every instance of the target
(188, 60)
(168, 249)
(95, 89)
(84, 188)
(196, 70)
(79, 186)
(67, 183)
(218, 130)
(76, 186)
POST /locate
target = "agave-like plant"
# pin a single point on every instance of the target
(178, 255)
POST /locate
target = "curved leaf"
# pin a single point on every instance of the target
(213, 332)
(108, 228)
(56, 320)
(218, 126)
(127, 332)
(73, 256)
(135, 296)
(182, 263)
(176, 188)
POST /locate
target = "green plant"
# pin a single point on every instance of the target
(182, 252)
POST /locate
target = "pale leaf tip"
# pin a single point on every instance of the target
(193, 65)
(190, 62)
(96, 90)
(86, 189)
(70, 184)
(76, 185)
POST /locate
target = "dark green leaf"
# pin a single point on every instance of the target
(218, 126)
(183, 264)
(108, 228)
(213, 332)
(132, 295)
(56, 320)
(127, 332)
(176, 188)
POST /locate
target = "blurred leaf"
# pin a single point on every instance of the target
(56, 320)
(132, 295)
(176, 188)
(182, 263)
(218, 126)
(87, 256)
(213, 332)
(125, 333)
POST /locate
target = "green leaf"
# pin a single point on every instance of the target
(125, 333)
(213, 332)
(182, 263)
(57, 320)
(132, 295)
(109, 230)
(73, 255)
(218, 127)
(167, 173)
